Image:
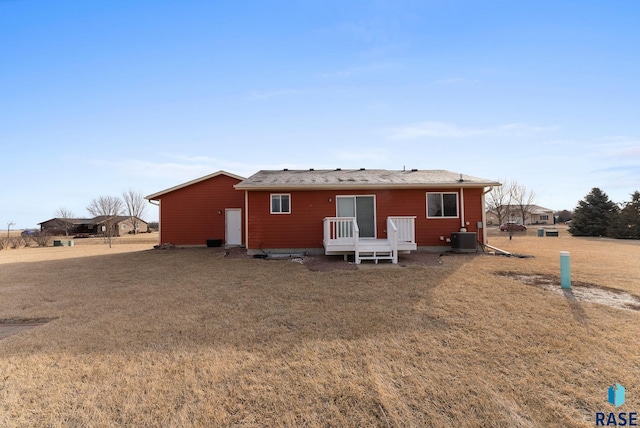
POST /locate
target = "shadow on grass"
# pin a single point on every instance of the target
(576, 309)
(197, 297)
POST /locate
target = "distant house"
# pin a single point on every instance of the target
(538, 215)
(124, 225)
(60, 226)
(91, 226)
(373, 214)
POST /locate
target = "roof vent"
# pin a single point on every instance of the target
(338, 169)
(310, 169)
(286, 169)
(460, 180)
(414, 170)
(361, 169)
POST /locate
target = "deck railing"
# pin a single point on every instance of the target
(406, 228)
(340, 230)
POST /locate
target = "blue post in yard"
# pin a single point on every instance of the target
(565, 269)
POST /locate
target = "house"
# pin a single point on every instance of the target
(73, 226)
(536, 215)
(541, 215)
(373, 214)
(92, 226)
(123, 224)
(201, 210)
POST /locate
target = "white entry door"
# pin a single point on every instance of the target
(233, 226)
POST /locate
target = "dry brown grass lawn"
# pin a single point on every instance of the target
(188, 337)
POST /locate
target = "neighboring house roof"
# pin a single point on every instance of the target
(358, 179)
(535, 209)
(89, 221)
(75, 221)
(157, 195)
(118, 219)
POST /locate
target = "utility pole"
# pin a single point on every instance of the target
(9, 224)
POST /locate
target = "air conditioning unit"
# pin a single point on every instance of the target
(464, 242)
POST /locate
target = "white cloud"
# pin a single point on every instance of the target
(620, 147)
(365, 156)
(448, 130)
(182, 168)
(359, 70)
(374, 29)
(524, 128)
(266, 94)
(434, 130)
(455, 81)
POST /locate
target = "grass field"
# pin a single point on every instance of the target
(188, 337)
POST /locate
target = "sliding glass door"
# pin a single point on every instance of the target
(363, 209)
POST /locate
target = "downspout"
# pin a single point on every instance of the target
(159, 219)
(462, 222)
(484, 216)
(246, 219)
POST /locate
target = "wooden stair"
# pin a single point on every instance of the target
(375, 250)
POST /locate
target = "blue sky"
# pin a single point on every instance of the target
(101, 96)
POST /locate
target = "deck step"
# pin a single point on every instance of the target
(382, 254)
(368, 249)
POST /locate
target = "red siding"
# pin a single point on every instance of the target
(193, 214)
(303, 228)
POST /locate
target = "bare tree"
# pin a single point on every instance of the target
(523, 200)
(108, 209)
(42, 238)
(135, 204)
(499, 201)
(65, 215)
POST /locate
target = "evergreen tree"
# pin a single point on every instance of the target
(594, 215)
(627, 222)
(563, 215)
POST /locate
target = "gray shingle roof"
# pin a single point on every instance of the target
(359, 178)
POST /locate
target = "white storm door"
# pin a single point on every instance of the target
(233, 226)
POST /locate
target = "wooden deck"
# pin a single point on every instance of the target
(341, 237)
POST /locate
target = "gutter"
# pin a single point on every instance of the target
(338, 186)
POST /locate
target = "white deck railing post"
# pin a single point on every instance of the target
(356, 240)
(392, 237)
(326, 225)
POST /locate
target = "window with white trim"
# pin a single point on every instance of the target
(442, 205)
(544, 217)
(280, 204)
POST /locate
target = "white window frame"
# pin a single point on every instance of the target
(442, 202)
(279, 195)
